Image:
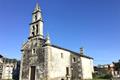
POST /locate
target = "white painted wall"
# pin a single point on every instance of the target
(87, 68)
(56, 64)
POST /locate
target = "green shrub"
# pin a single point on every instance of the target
(102, 76)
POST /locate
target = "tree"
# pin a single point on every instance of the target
(16, 71)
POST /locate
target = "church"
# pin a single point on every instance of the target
(42, 60)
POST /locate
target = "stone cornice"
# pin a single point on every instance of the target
(36, 12)
(35, 22)
(35, 36)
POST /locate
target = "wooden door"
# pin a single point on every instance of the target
(32, 76)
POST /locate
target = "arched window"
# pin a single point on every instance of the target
(33, 28)
(37, 29)
(35, 17)
(33, 33)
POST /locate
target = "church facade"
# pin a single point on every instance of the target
(42, 60)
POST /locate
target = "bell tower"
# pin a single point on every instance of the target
(36, 26)
(34, 58)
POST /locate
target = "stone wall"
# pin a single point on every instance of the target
(33, 55)
(75, 67)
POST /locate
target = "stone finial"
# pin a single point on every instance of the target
(48, 40)
(81, 50)
(37, 8)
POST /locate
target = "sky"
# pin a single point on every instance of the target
(92, 24)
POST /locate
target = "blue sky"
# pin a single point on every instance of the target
(92, 24)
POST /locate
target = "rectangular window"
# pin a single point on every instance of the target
(61, 55)
(33, 51)
(74, 59)
(67, 70)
